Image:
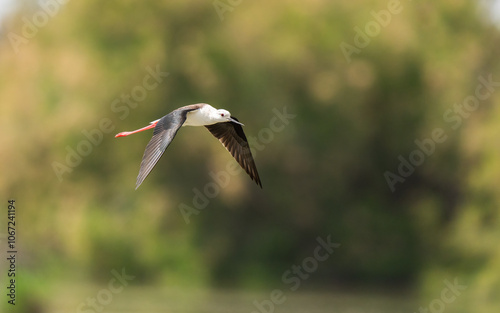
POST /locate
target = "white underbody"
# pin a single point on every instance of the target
(206, 115)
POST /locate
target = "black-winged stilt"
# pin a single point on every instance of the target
(219, 122)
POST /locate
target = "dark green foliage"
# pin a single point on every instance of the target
(322, 171)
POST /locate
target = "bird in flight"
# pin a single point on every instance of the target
(219, 122)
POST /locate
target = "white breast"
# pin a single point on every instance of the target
(200, 117)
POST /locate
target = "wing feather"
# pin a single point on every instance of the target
(163, 134)
(233, 138)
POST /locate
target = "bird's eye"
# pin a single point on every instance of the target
(222, 114)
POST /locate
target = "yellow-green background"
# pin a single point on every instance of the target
(322, 175)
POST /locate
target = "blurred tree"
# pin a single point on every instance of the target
(323, 172)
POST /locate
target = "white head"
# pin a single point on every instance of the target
(224, 116)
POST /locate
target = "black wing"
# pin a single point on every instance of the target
(233, 138)
(163, 134)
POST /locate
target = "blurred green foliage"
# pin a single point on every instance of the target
(323, 174)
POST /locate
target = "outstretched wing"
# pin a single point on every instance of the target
(163, 134)
(233, 138)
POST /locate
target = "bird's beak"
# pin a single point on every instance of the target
(235, 121)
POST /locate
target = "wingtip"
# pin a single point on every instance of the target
(259, 184)
(137, 185)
